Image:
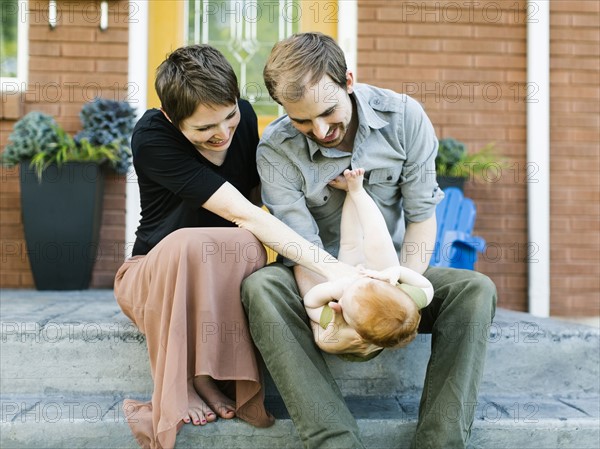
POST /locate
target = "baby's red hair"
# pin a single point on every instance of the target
(388, 316)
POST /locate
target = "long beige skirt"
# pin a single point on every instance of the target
(184, 295)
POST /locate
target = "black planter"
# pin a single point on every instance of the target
(451, 181)
(61, 218)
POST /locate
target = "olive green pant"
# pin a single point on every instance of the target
(458, 319)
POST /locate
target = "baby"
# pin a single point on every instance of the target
(380, 308)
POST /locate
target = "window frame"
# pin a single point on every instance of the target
(20, 81)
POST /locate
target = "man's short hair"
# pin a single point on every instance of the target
(303, 55)
(194, 75)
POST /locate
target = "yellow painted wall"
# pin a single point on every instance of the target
(319, 15)
(165, 34)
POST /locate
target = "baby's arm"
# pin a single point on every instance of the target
(320, 295)
(404, 275)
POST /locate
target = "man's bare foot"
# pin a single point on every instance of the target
(198, 412)
(214, 398)
(354, 178)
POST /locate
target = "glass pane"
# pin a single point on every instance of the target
(8, 38)
(245, 31)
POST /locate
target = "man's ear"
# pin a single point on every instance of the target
(349, 81)
(336, 306)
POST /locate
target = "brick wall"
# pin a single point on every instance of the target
(467, 67)
(575, 118)
(68, 66)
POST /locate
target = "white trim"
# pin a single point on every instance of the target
(137, 97)
(538, 155)
(348, 32)
(19, 83)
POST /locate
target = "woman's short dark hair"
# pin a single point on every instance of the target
(194, 75)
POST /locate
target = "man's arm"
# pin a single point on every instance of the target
(420, 190)
(419, 241)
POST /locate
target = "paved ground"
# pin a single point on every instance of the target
(68, 359)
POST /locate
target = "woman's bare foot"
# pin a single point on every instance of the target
(214, 398)
(198, 412)
(354, 178)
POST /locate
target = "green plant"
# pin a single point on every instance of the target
(453, 160)
(107, 127)
(109, 123)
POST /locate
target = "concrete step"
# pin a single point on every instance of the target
(68, 359)
(81, 343)
(501, 423)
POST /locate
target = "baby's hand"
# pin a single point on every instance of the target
(389, 275)
(339, 182)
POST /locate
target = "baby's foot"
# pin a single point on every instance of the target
(354, 178)
(214, 398)
(198, 412)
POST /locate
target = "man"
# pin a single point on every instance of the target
(332, 124)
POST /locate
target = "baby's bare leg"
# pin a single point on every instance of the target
(354, 179)
(351, 232)
(378, 247)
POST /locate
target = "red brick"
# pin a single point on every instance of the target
(500, 61)
(443, 60)
(467, 46)
(112, 35)
(558, 19)
(585, 20)
(570, 6)
(43, 49)
(583, 34)
(62, 34)
(112, 65)
(378, 29)
(592, 78)
(407, 44)
(53, 64)
(472, 75)
(499, 32)
(438, 30)
(10, 279)
(98, 50)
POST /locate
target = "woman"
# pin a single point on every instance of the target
(195, 162)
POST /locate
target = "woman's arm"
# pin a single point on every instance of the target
(229, 203)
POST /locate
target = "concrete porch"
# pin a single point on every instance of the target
(68, 359)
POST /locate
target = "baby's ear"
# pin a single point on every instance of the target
(336, 306)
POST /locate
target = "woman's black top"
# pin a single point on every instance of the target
(175, 179)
